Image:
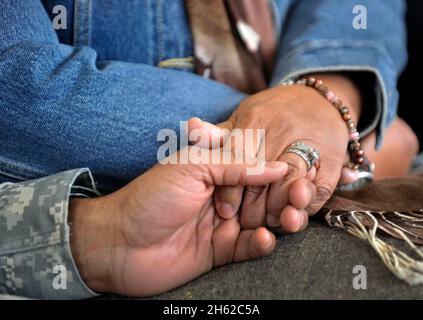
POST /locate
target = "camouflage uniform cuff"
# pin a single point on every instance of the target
(35, 256)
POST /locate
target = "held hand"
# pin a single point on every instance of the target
(288, 114)
(162, 230)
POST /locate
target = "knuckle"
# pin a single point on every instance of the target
(323, 194)
(255, 190)
(293, 171)
(230, 194)
(273, 208)
(252, 220)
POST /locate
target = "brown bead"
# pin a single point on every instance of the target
(353, 150)
(350, 124)
(360, 160)
(323, 89)
(352, 166)
(355, 145)
(359, 153)
(337, 103)
(344, 109)
(356, 156)
(346, 116)
(318, 84)
(310, 81)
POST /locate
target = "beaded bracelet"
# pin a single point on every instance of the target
(358, 159)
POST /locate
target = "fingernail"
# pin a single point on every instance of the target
(226, 210)
(197, 119)
(300, 220)
(272, 221)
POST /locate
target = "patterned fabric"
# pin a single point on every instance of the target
(234, 41)
(35, 256)
(392, 207)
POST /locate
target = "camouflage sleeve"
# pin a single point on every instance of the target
(35, 256)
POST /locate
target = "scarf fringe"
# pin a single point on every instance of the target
(364, 225)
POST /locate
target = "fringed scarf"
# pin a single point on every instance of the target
(392, 207)
(234, 43)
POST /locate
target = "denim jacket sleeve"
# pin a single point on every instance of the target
(35, 256)
(67, 101)
(320, 36)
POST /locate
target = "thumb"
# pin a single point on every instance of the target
(278, 197)
(207, 135)
(325, 182)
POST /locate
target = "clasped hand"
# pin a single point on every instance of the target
(177, 221)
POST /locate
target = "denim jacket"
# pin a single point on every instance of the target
(94, 94)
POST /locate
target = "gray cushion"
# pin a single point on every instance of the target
(315, 264)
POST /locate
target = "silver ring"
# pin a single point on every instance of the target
(308, 154)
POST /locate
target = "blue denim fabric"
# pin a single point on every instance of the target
(62, 107)
(93, 96)
(318, 36)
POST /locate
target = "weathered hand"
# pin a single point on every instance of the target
(162, 229)
(288, 114)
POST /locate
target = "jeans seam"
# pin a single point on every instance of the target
(159, 26)
(82, 22)
(87, 23)
(76, 23)
(150, 32)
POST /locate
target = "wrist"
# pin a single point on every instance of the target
(90, 237)
(349, 114)
(345, 89)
